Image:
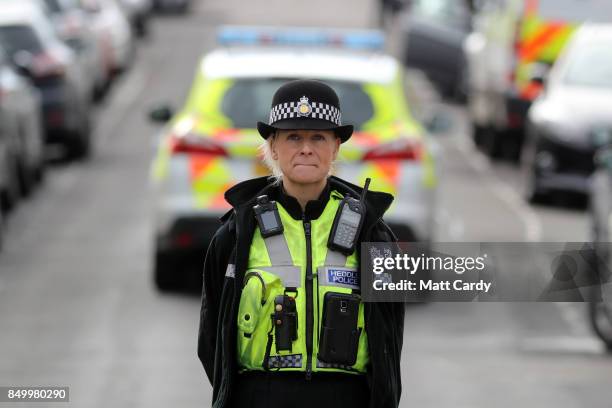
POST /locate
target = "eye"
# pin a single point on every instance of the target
(318, 137)
(293, 137)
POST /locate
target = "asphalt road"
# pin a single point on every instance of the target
(78, 307)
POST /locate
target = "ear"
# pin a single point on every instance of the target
(337, 147)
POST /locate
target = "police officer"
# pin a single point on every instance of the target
(281, 323)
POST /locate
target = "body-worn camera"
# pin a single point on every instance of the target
(267, 217)
(284, 320)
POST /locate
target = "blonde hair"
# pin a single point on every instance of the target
(265, 150)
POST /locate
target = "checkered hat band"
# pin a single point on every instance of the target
(289, 110)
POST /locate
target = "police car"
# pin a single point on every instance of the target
(212, 143)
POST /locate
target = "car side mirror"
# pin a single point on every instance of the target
(22, 61)
(161, 114)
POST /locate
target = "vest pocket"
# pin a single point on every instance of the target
(254, 320)
(349, 351)
(339, 336)
(252, 301)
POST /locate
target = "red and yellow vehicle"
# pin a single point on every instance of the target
(211, 143)
(513, 45)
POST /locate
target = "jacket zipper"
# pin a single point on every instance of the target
(309, 311)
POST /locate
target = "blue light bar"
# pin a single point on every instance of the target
(305, 37)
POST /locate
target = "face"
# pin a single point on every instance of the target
(305, 156)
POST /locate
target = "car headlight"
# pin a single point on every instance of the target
(601, 136)
(561, 132)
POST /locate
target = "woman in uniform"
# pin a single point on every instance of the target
(282, 322)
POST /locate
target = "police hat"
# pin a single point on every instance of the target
(305, 104)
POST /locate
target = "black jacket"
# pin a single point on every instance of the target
(221, 295)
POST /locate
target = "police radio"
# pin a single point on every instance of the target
(347, 223)
(285, 321)
(268, 217)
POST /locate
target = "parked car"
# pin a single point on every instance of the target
(433, 32)
(212, 142)
(31, 43)
(511, 40)
(112, 26)
(138, 13)
(22, 162)
(576, 103)
(73, 26)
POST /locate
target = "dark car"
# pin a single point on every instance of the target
(30, 41)
(74, 27)
(576, 103)
(433, 32)
(21, 141)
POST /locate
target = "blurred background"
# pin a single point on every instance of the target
(122, 122)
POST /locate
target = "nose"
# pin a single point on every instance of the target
(306, 148)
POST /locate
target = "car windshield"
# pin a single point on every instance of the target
(442, 10)
(575, 10)
(19, 37)
(248, 101)
(590, 66)
(57, 6)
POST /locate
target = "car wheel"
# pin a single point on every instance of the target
(600, 315)
(11, 194)
(478, 134)
(141, 27)
(1, 230)
(26, 181)
(492, 143)
(460, 90)
(101, 89)
(40, 171)
(80, 146)
(164, 272)
(533, 193)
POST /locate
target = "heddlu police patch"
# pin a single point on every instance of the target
(341, 276)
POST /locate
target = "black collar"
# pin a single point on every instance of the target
(242, 195)
(314, 208)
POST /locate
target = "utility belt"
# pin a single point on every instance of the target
(301, 317)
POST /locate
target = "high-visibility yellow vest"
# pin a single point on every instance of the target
(280, 264)
(538, 40)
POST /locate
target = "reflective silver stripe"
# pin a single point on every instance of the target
(288, 274)
(335, 258)
(281, 261)
(278, 250)
(230, 272)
